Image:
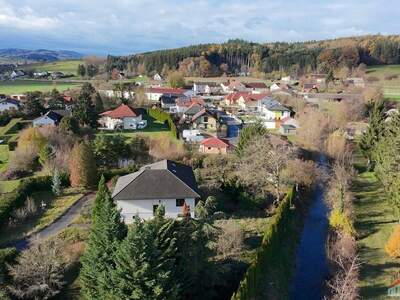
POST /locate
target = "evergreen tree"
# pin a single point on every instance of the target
(84, 110)
(45, 153)
(98, 261)
(247, 134)
(98, 104)
(81, 70)
(69, 124)
(56, 183)
(82, 166)
(374, 132)
(56, 100)
(34, 104)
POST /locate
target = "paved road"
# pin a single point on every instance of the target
(56, 227)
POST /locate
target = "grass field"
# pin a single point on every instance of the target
(23, 86)
(65, 66)
(391, 87)
(374, 224)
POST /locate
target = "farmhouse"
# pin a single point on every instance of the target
(123, 117)
(165, 183)
(52, 118)
(9, 104)
(214, 145)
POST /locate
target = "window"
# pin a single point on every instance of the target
(180, 202)
(154, 209)
(205, 119)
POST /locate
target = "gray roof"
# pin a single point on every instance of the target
(162, 180)
(273, 104)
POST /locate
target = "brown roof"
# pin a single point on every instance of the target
(121, 111)
(214, 142)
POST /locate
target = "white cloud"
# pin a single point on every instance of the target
(126, 26)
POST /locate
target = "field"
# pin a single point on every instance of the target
(22, 86)
(391, 87)
(374, 224)
(65, 66)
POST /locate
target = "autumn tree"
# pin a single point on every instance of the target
(34, 104)
(82, 166)
(176, 80)
(249, 134)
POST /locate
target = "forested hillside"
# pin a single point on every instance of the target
(237, 56)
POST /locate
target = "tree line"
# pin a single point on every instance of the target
(237, 56)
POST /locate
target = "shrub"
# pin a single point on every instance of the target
(339, 221)
(82, 166)
(230, 240)
(392, 246)
(7, 256)
(23, 160)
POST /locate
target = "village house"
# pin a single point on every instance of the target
(19, 97)
(192, 110)
(205, 120)
(233, 86)
(214, 145)
(9, 104)
(157, 77)
(51, 118)
(183, 103)
(249, 102)
(206, 88)
(256, 87)
(166, 183)
(168, 102)
(154, 93)
(123, 117)
(271, 112)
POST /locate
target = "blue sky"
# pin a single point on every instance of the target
(131, 26)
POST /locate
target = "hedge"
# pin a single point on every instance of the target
(253, 280)
(162, 116)
(16, 199)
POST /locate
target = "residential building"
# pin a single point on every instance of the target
(256, 87)
(51, 118)
(9, 104)
(271, 112)
(214, 145)
(168, 102)
(206, 88)
(157, 77)
(183, 103)
(204, 120)
(166, 183)
(154, 93)
(192, 110)
(123, 117)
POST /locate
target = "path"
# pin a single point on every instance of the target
(311, 264)
(55, 227)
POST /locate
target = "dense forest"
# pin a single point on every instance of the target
(237, 56)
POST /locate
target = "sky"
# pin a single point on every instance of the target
(132, 26)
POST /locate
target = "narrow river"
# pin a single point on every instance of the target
(311, 264)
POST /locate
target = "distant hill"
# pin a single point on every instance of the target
(241, 57)
(14, 55)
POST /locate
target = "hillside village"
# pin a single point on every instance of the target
(150, 182)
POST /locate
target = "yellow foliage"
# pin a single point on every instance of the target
(339, 221)
(392, 246)
(31, 138)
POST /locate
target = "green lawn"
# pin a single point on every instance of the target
(391, 88)
(23, 86)
(4, 155)
(65, 66)
(374, 224)
(55, 207)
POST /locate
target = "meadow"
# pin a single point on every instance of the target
(391, 87)
(65, 66)
(22, 86)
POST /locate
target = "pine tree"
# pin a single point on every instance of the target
(84, 110)
(98, 261)
(98, 103)
(56, 183)
(374, 132)
(82, 166)
(81, 70)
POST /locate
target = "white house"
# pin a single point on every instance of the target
(157, 77)
(9, 104)
(166, 183)
(52, 118)
(123, 117)
(206, 87)
(271, 112)
(154, 93)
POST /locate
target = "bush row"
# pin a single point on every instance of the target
(273, 239)
(16, 199)
(162, 116)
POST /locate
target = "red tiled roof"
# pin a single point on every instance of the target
(165, 90)
(255, 97)
(233, 97)
(395, 283)
(67, 98)
(121, 111)
(188, 103)
(256, 85)
(215, 143)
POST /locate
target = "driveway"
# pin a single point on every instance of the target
(56, 227)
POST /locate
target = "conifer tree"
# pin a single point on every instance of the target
(84, 110)
(56, 183)
(82, 166)
(98, 261)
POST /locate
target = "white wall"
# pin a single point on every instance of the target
(7, 106)
(144, 208)
(43, 121)
(131, 122)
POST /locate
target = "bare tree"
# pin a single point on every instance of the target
(38, 273)
(230, 239)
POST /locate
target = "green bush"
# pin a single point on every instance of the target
(252, 282)
(12, 145)
(17, 198)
